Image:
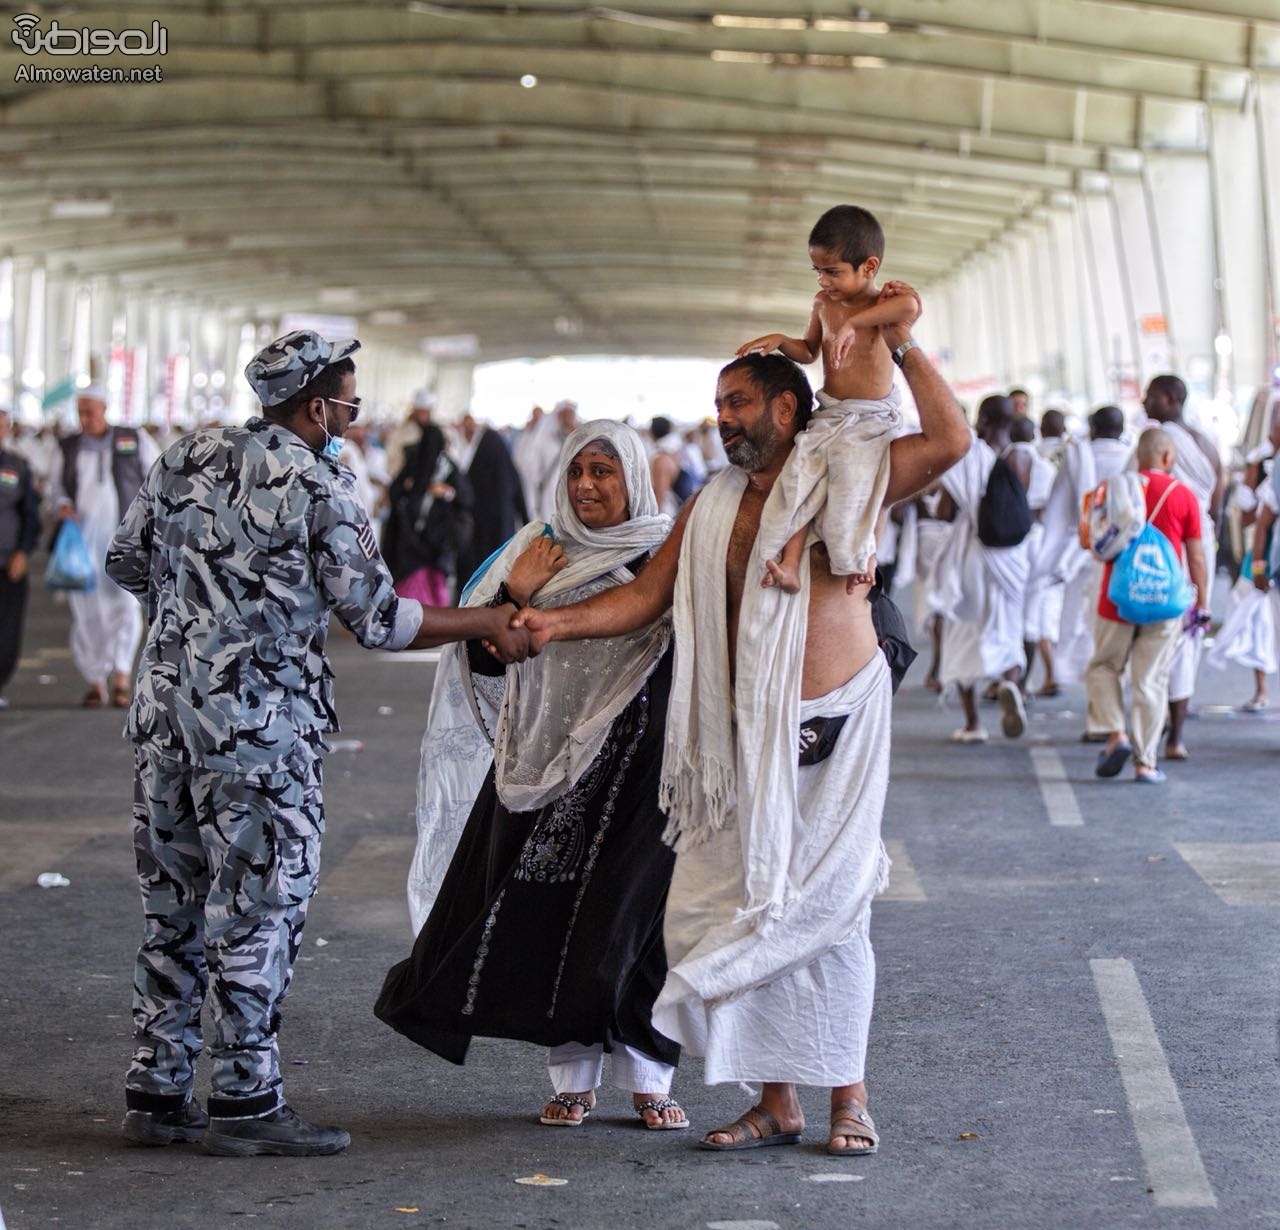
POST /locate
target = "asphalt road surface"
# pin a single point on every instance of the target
(1076, 1017)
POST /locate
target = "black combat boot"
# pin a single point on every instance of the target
(282, 1132)
(182, 1126)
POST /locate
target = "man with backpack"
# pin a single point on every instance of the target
(1171, 509)
(1199, 467)
(983, 571)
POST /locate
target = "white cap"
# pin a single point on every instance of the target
(95, 392)
(423, 399)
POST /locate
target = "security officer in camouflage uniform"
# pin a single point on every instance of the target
(241, 542)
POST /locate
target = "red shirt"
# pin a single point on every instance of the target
(1178, 520)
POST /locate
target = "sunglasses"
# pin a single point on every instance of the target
(353, 406)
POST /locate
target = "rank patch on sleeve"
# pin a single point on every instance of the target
(366, 542)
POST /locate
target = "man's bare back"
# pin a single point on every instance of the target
(840, 639)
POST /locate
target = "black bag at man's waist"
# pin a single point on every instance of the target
(891, 631)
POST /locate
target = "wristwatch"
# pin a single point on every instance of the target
(900, 352)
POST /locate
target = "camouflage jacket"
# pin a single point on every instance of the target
(241, 541)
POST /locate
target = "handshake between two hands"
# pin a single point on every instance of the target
(519, 636)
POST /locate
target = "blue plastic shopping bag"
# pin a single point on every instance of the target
(70, 564)
(1148, 583)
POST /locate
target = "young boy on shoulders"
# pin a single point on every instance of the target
(846, 247)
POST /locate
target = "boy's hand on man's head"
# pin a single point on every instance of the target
(762, 345)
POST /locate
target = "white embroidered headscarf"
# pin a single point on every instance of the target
(556, 709)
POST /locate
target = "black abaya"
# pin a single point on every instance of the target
(548, 925)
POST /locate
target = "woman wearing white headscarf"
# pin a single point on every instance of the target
(540, 877)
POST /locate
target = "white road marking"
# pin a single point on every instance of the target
(1174, 1168)
(1240, 872)
(904, 884)
(1055, 788)
(409, 655)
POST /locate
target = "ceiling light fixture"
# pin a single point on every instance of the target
(845, 25)
(81, 207)
(528, 81)
(731, 21)
(742, 57)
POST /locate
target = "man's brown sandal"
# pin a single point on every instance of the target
(93, 698)
(753, 1129)
(658, 1106)
(568, 1102)
(859, 1125)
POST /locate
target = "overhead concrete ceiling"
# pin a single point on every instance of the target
(650, 194)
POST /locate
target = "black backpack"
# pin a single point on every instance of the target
(684, 486)
(1004, 516)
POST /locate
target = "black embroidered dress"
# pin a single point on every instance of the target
(548, 925)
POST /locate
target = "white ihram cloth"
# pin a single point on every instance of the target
(836, 477)
(1194, 469)
(1042, 611)
(1247, 636)
(776, 866)
(546, 720)
(535, 455)
(708, 781)
(1059, 557)
(1040, 472)
(980, 591)
(791, 1001)
(932, 537)
(106, 621)
(1248, 633)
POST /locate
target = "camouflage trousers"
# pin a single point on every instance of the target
(227, 865)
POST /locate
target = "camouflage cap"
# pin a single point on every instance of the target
(292, 362)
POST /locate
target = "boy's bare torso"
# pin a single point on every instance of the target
(840, 639)
(867, 370)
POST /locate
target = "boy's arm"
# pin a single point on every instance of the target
(798, 349)
(615, 611)
(888, 309)
(919, 459)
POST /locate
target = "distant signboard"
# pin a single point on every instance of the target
(330, 327)
(454, 346)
